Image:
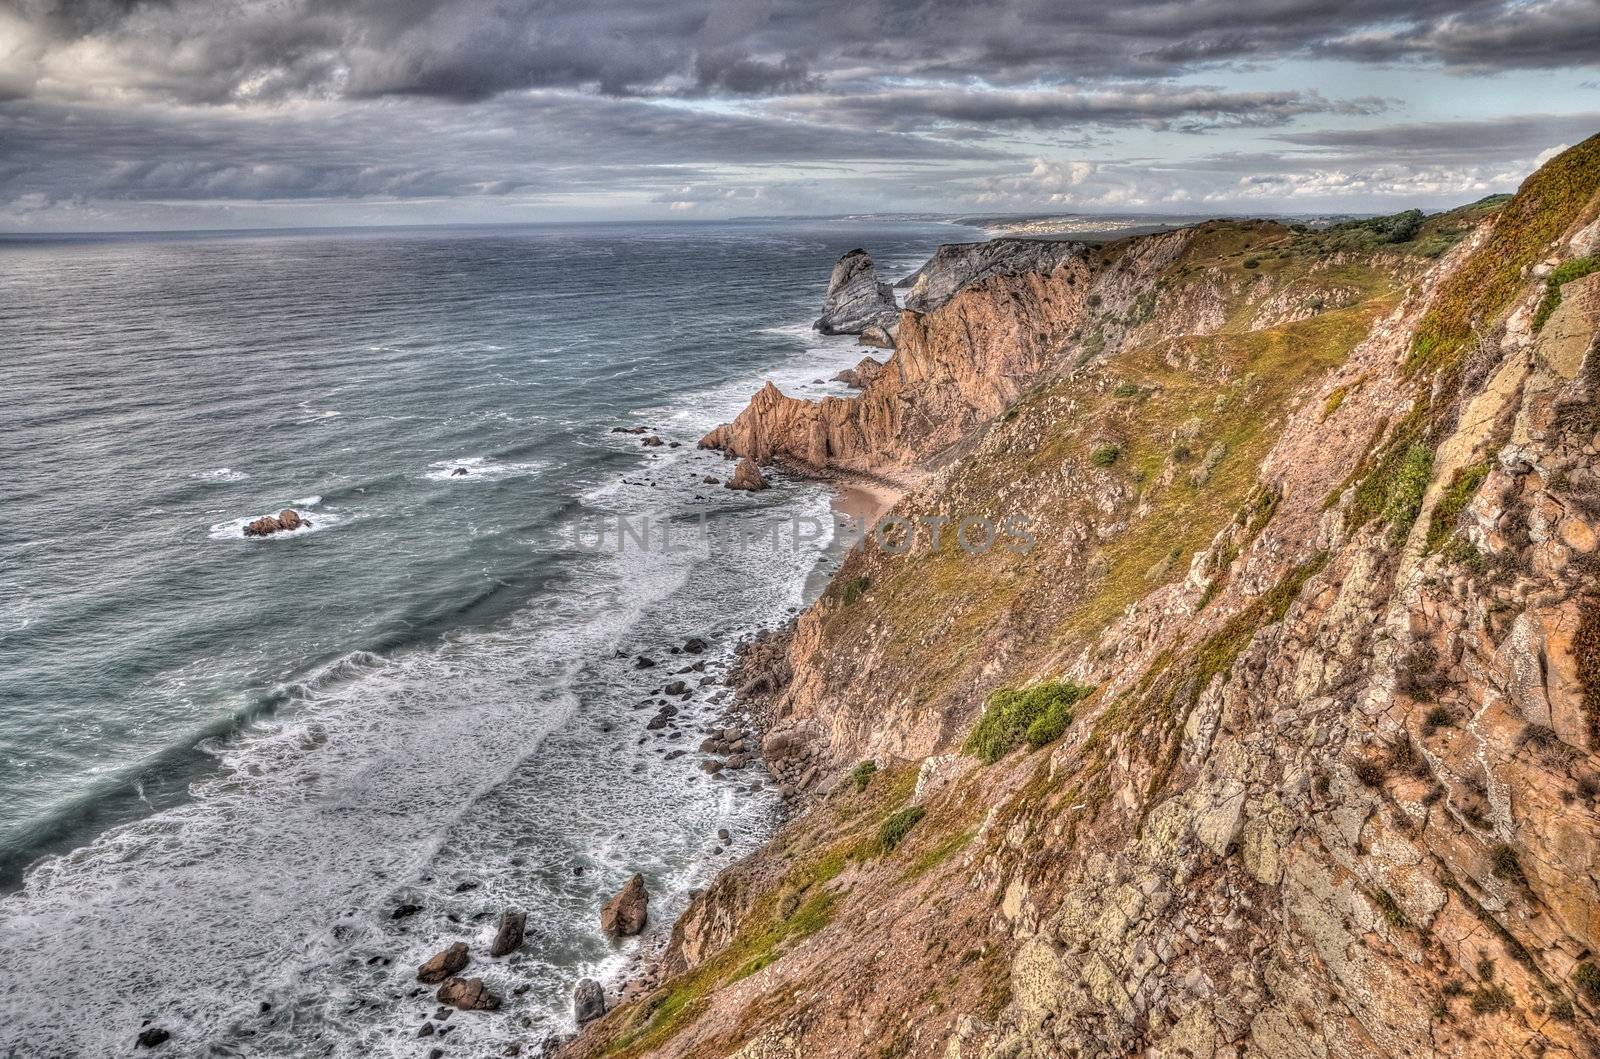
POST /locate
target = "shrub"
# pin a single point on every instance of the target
(1105, 455)
(1391, 909)
(1405, 495)
(1503, 861)
(1368, 772)
(862, 774)
(1093, 301)
(1439, 717)
(897, 826)
(1037, 714)
(854, 589)
(1490, 1000)
(1125, 389)
(1252, 262)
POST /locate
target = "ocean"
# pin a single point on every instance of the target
(228, 762)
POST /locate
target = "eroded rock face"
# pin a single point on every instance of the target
(444, 964)
(746, 476)
(284, 521)
(627, 913)
(856, 300)
(862, 374)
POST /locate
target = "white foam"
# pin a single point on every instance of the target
(479, 468)
(222, 474)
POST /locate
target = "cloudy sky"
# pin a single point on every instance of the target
(232, 113)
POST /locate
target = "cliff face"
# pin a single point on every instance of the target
(1316, 534)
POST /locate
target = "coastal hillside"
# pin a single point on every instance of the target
(1270, 729)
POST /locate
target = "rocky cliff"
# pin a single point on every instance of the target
(1277, 738)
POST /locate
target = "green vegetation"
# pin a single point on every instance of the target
(1586, 976)
(1462, 488)
(1407, 489)
(1483, 288)
(1105, 455)
(1125, 389)
(1564, 274)
(852, 590)
(1252, 262)
(1491, 1000)
(1390, 908)
(1037, 714)
(897, 826)
(942, 852)
(862, 774)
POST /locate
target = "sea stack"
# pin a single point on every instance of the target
(747, 476)
(856, 300)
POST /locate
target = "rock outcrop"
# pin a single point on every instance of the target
(856, 300)
(627, 913)
(862, 374)
(1320, 574)
(284, 521)
(957, 265)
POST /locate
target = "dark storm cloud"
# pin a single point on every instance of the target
(200, 50)
(549, 142)
(1187, 109)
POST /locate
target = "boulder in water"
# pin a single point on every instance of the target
(460, 472)
(444, 964)
(588, 1001)
(508, 938)
(468, 994)
(154, 1037)
(627, 913)
(285, 520)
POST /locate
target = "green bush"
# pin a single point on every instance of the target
(862, 774)
(1125, 389)
(1037, 715)
(1252, 262)
(1105, 455)
(1576, 269)
(897, 826)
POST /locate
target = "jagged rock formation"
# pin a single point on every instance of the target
(1319, 525)
(856, 300)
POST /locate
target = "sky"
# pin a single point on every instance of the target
(176, 114)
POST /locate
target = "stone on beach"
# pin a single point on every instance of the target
(627, 913)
